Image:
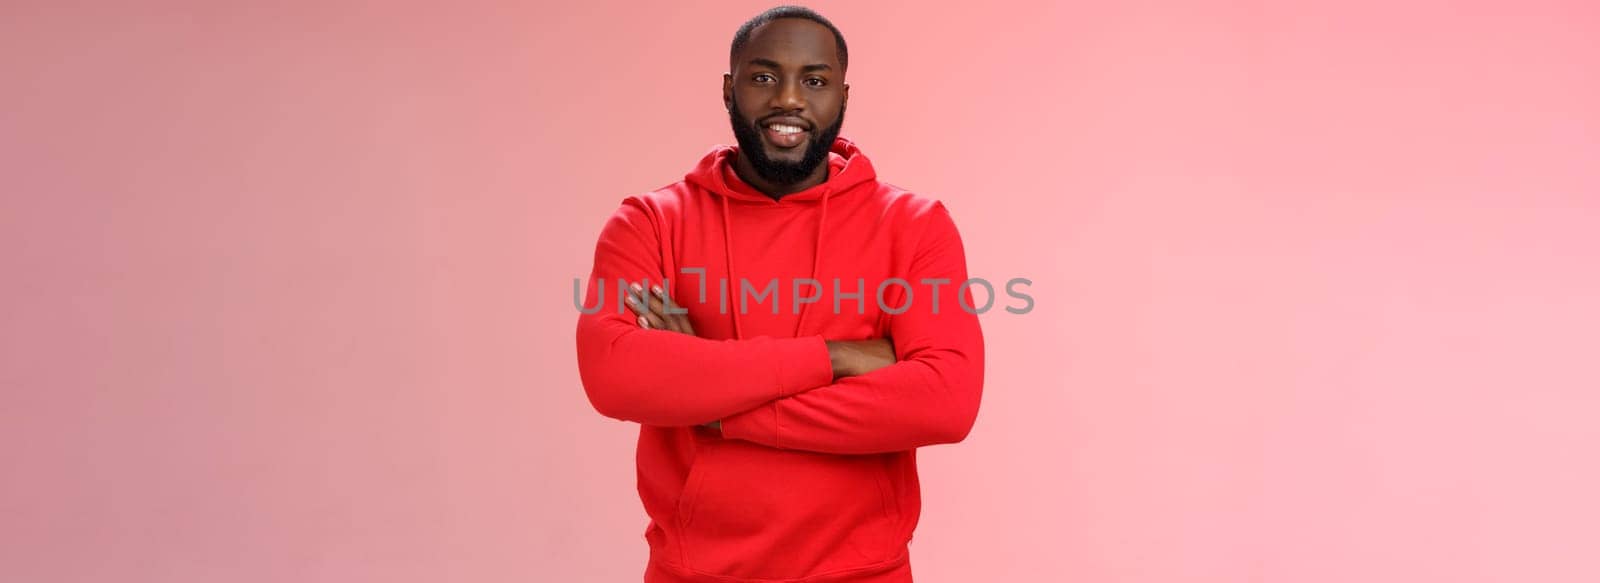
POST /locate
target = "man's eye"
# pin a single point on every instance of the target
(762, 78)
(815, 82)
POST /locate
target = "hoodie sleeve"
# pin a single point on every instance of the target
(656, 377)
(929, 396)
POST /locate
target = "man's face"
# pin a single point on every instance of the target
(786, 98)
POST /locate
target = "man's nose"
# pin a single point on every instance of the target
(789, 98)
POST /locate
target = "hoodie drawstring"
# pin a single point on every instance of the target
(816, 264)
(727, 249)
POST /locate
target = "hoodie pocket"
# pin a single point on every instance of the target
(692, 484)
(756, 512)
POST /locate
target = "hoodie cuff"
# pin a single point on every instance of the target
(802, 365)
(758, 425)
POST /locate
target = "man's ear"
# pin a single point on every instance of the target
(846, 100)
(727, 91)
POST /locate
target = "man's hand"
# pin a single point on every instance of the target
(858, 357)
(652, 310)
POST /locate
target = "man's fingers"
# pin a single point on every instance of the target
(658, 306)
(650, 318)
(677, 322)
(656, 314)
(638, 301)
(637, 308)
(650, 309)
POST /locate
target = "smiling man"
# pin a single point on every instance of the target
(791, 332)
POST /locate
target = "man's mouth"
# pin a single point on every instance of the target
(785, 134)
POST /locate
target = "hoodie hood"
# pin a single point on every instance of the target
(847, 169)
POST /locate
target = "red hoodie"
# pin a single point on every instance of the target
(810, 479)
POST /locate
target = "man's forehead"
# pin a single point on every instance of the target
(793, 42)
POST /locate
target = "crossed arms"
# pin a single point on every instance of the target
(806, 393)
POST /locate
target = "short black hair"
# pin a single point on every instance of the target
(742, 37)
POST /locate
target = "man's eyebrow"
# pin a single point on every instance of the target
(769, 63)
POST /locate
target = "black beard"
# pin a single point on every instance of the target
(776, 172)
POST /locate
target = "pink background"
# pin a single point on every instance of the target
(287, 290)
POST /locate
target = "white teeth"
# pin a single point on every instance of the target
(785, 129)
